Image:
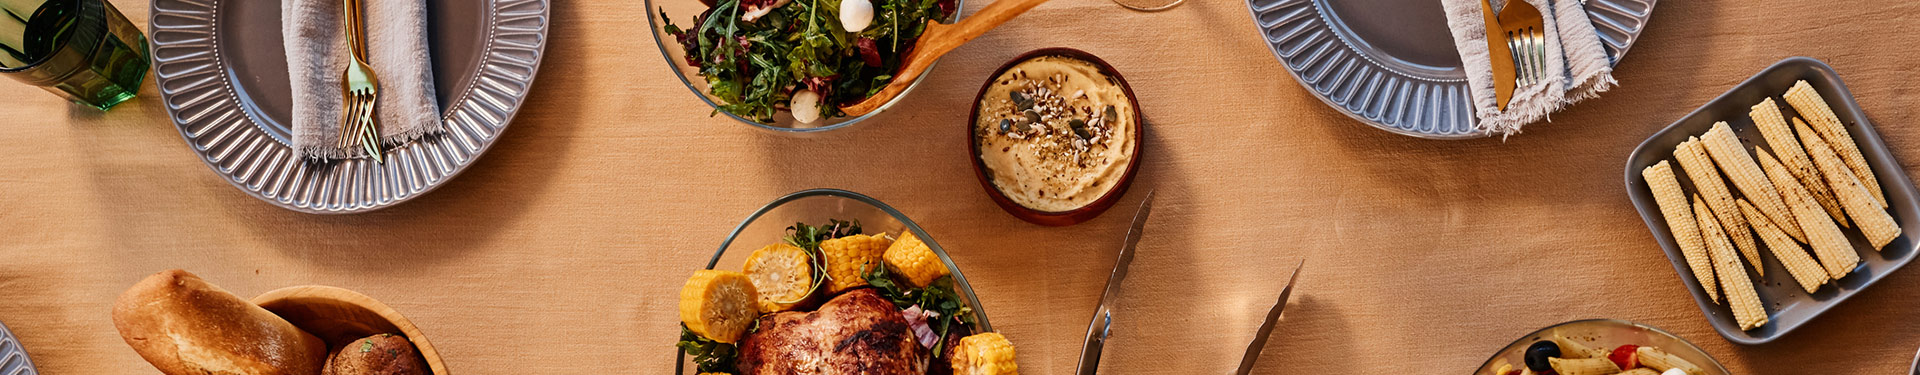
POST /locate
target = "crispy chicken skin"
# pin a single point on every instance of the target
(858, 332)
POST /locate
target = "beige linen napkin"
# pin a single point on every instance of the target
(1573, 48)
(317, 59)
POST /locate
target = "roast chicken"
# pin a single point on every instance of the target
(856, 333)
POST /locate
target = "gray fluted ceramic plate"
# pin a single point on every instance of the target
(222, 72)
(1392, 63)
(13, 358)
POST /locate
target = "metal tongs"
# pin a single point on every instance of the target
(1102, 325)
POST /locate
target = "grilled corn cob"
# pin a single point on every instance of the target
(849, 258)
(1829, 245)
(1584, 366)
(1766, 117)
(913, 261)
(1872, 217)
(718, 305)
(1746, 175)
(1693, 158)
(1661, 360)
(1686, 231)
(1744, 300)
(783, 275)
(1804, 99)
(985, 354)
(1802, 266)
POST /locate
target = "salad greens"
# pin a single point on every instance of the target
(756, 66)
(934, 298)
(708, 355)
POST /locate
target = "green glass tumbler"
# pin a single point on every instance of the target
(82, 50)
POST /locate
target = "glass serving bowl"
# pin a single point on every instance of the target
(768, 224)
(1608, 334)
(783, 123)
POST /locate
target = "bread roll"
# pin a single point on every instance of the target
(185, 326)
(382, 354)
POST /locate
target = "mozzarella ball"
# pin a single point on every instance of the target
(805, 106)
(1674, 371)
(856, 15)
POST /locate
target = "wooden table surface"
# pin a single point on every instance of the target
(562, 251)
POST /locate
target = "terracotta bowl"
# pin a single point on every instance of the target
(339, 316)
(1057, 218)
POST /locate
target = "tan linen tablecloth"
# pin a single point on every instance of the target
(563, 250)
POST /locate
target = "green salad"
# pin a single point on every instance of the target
(809, 57)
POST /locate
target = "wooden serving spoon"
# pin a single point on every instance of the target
(936, 41)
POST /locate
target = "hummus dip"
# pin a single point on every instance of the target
(1054, 133)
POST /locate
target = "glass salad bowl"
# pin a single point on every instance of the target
(783, 123)
(1605, 334)
(769, 224)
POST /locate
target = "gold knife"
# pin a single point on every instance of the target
(1503, 71)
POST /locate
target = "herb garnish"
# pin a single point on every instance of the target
(708, 355)
(756, 66)
(935, 297)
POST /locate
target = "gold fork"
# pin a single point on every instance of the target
(361, 88)
(1526, 40)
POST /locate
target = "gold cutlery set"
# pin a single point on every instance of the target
(1523, 40)
(361, 88)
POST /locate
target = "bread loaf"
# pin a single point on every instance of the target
(185, 326)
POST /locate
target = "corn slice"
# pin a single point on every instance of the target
(1804, 269)
(1657, 359)
(1741, 296)
(783, 275)
(1766, 117)
(912, 260)
(1746, 175)
(1680, 222)
(1829, 245)
(1869, 214)
(718, 305)
(1808, 101)
(1585, 366)
(849, 258)
(985, 354)
(1693, 159)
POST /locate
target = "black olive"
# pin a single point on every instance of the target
(1006, 126)
(1538, 353)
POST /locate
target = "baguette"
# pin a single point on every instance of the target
(185, 326)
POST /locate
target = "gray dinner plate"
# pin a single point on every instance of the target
(13, 358)
(1392, 63)
(1788, 306)
(222, 72)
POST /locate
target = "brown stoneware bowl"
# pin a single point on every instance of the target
(1077, 215)
(339, 316)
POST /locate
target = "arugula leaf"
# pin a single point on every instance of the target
(708, 355)
(935, 297)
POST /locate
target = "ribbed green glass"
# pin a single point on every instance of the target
(82, 50)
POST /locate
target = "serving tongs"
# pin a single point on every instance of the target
(1102, 325)
(936, 41)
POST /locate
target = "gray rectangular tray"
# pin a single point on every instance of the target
(1788, 306)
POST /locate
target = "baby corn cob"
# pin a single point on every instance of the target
(1766, 117)
(1741, 296)
(1680, 222)
(1804, 99)
(849, 258)
(1693, 159)
(1829, 245)
(985, 354)
(1802, 266)
(783, 275)
(912, 260)
(1746, 174)
(1872, 217)
(1657, 359)
(718, 305)
(1584, 366)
